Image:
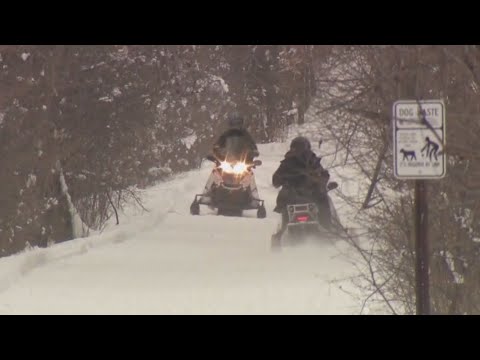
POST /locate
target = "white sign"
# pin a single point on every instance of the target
(417, 147)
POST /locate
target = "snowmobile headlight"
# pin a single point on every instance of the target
(225, 166)
(311, 207)
(291, 208)
(239, 168)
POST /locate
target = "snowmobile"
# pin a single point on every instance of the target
(302, 219)
(231, 192)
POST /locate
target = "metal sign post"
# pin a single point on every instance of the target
(422, 293)
(419, 140)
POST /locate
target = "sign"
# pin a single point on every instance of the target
(418, 144)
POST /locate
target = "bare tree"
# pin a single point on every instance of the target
(361, 84)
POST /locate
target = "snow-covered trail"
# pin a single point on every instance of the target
(169, 262)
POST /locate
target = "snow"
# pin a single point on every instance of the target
(25, 56)
(189, 140)
(167, 261)
(31, 180)
(222, 82)
(116, 92)
(458, 278)
(105, 99)
(79, 228)
(162, 105)
(158, 171)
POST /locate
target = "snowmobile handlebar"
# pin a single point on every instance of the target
(332, 185)
(312, 177)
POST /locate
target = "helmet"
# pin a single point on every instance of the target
(235, 121)
(299, 144)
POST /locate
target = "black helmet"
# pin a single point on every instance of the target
(235, 121)
(299, 144)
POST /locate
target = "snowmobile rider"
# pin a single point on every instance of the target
(236, 139)
(301, 175)
(235, 143)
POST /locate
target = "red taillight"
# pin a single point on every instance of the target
(303, 218)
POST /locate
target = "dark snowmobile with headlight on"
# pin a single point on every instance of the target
(231, 186)
(231, 192)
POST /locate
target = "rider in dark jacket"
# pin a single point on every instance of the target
(302, 176)
(236, 140)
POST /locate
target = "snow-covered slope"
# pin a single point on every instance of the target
(169, 262)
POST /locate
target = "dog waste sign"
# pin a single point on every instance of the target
(419, 137)
(418, 153)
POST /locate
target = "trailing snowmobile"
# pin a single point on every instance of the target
(232, 190)
(302, 218)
